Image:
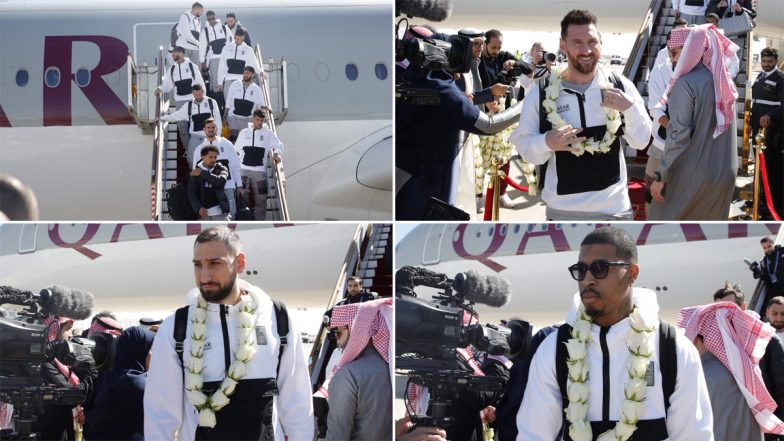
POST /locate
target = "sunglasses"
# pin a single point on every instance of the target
(599, 269)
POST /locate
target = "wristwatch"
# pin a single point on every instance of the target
(657, 176)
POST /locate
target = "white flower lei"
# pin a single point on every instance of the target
(194, 376)
(640, 344)
(592, 146)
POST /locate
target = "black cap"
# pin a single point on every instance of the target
(178, 49)
(251, 69)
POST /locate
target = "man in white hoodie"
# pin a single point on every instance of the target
(606, 346)
(235, 380)
(188, 28)
(234, 57)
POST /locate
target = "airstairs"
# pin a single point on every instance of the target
(168, 164)
(370, 257)
(652, 37)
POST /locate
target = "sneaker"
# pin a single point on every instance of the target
(480, 204)
(506, 201)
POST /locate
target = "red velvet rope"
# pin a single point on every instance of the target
(764, 173)
(488, 204)
(514, 184)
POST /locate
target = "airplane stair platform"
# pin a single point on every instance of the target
(375, 269)
(652, 37)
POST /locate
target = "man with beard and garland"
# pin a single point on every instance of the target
(573, 121)
(646, 380)
(700, 158)
(238, 378)
(359, 391)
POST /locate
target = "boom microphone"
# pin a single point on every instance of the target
(487, 290)
(431, 10)
(63, 302)
(15, 296)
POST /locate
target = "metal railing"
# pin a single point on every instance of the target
(349, 267)
(643, 38)
(158, 148)
(274, 168)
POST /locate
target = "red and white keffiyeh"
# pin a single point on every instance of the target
(106, 325)
(738, 340)
(705, 43)
(367, 321)
(53, 325)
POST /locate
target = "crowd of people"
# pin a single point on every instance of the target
(573, 116)
(211, 77)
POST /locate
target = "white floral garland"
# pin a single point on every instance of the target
(640, 344)
(592, 146)
(244, 352)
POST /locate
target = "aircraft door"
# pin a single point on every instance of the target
(431, 254)
(28, 238)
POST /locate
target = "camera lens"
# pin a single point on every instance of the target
(550, 57)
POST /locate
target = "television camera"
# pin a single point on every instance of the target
(24, 347)
(452, 54)
(428, 335)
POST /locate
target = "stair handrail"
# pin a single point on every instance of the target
(642, 41)
(347, 268)
(158, 146)
(277, 167)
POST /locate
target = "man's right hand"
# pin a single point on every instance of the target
(157, 92)
(203, 213)
(676, 13)
(403, 425)
(196, 172)
(664, 121)
(765, 121)
(499, 90)
(561, 140)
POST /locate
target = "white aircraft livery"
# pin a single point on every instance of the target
(66, 131)
(683, 263)
(148, 267)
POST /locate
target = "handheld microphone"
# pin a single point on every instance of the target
(487, 290)
(431, 10)
(63, 302)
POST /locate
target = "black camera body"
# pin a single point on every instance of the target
(24, 348)
(428, 335)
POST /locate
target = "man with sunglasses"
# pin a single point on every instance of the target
(604, 341)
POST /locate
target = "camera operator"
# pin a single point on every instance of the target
(57, 421)
(471, 409)
(427, 137)
(770, 269)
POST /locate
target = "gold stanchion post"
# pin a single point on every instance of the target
(759, 147)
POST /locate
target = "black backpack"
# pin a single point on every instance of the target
(177, 202)
(668, 362)
(181, 325)
(174, 35)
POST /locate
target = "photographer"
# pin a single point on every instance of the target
(542, 61)
(57, 421)
(427, 136)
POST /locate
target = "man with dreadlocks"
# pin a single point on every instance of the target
(359, 392)
(700, 155)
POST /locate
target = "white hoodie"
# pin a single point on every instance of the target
(167, 409)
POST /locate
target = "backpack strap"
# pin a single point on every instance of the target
(193, 75)
(668, 361)
(282, 319)
(190, 108)
(171, 74)
(561, 354)
(544, 124)
(180, 329)
(212, 109)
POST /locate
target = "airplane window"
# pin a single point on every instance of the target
(292, 72)
(52, 77)
(82, 77)
(502, 230)
(381, 71)
(517, 228)
(322, 72)
(352, 72)
(22, 77)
